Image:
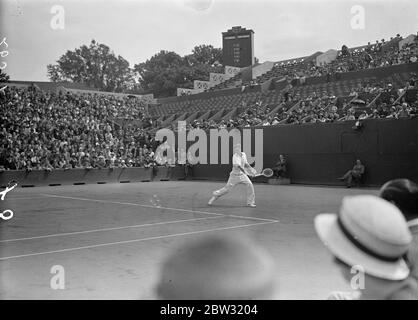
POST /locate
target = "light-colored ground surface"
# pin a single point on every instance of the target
(111, 239)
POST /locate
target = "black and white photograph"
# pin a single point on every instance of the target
(224, 151)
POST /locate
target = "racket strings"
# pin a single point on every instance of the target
(267, 172)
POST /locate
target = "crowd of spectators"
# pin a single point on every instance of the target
(43, 130)
(255, 114)
(380, 54)
(371, 56)
(321, 108)
(366, 57)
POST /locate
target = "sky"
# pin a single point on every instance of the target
(137, 29)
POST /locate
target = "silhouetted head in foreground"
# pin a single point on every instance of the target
(404, 194)
(218, 268)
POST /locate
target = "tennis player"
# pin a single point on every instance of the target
(239, 174)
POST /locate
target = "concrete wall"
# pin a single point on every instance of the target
(262, 69)
(326, 57)
(92, 176)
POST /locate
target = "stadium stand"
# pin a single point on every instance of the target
(348, 59)
(233, 82)
(47, 126)
(357, 89)
(46, 130)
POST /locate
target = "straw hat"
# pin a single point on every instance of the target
(370, 232)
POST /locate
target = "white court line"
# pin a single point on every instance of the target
(108, 229)
(131, 241)
(154, 207)
(21, 198)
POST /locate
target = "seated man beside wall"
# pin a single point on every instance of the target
(280, 168)
(356, 173)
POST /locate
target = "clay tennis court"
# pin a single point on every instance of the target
(111, 239)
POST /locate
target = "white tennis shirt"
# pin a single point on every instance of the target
(238, 160)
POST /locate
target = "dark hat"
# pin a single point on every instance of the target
(403, 193)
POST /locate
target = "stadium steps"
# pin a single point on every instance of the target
(230, 114)
(194, 116)
(206, 115)
(218, 115)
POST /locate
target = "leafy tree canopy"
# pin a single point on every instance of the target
(164, 72)
(95, 66)
(98, 67)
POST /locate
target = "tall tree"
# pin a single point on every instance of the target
(94, 65)
(166, 71)
(206, 54)
(203, 60)
(163, 73)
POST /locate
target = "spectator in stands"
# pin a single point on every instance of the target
(350, 115)
(383, 110)
(413, 79)
(344, 51)
(369, 238)
(275, 121)
(375, 114)
(363, 115)
(404, 111)
(45, 164)
(393, 113)
(218, 267)
(356, 173)
(101, 162)
(413, 110)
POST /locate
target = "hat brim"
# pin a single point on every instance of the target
(329, 232)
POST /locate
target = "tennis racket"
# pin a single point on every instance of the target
(11, 184)
(267, 172)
